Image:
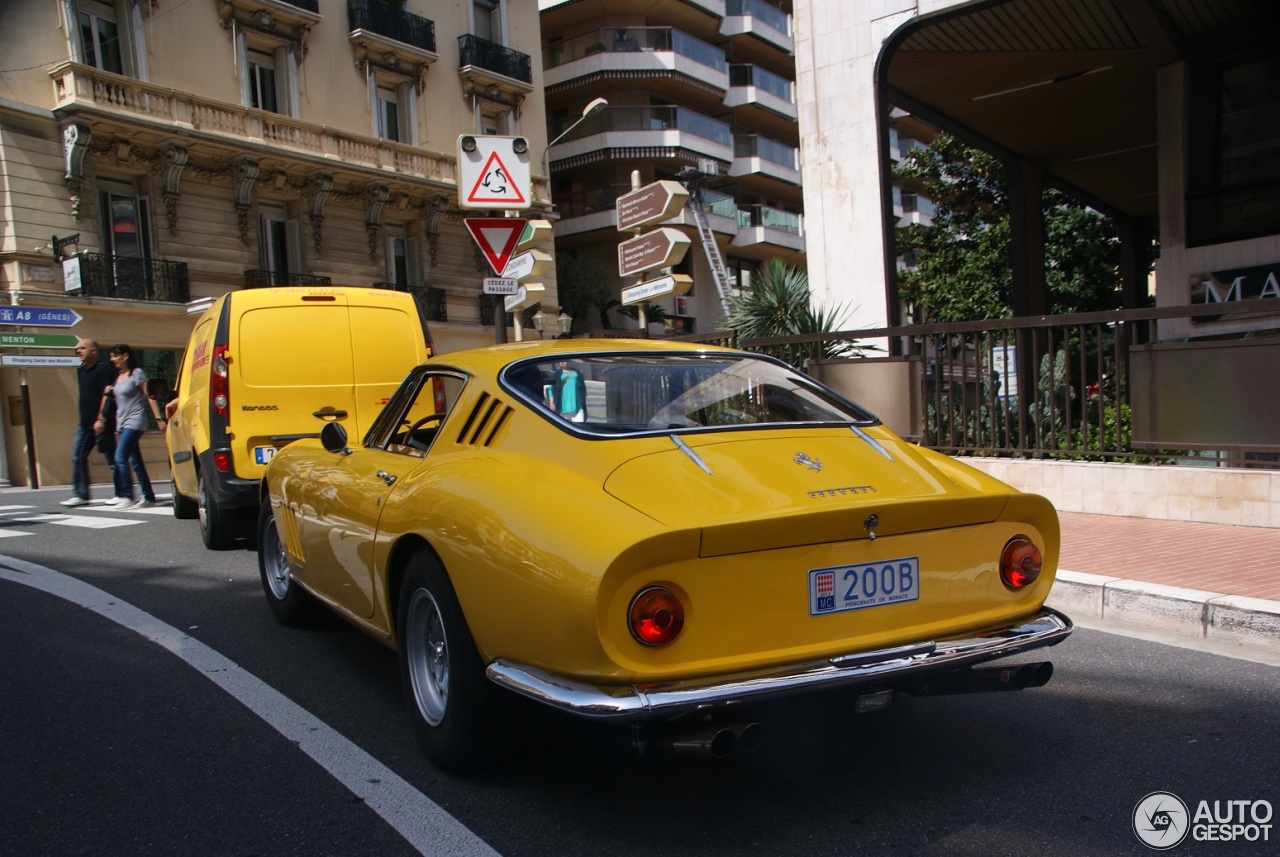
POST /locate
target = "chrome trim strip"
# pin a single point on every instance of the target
(871, 440)
(628, 703)
(687, 450)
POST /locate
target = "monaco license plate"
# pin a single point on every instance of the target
(872, 584)
(263, 454)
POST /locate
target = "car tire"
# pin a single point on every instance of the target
(451, 702)
(217, 525)
(184, 508)
(292, 605)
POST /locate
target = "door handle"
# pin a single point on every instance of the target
(385, 477)
(322, 414)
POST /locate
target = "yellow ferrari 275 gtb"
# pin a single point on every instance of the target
(639, 531)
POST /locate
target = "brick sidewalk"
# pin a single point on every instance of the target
(1225, 559)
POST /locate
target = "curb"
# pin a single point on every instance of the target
(1231, 619)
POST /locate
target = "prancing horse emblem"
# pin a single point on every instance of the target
(801, 458)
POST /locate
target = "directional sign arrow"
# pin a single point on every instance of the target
(656, 249)
(525, 297)
(39, 316)
(535, 232)
(38, 340)
(650, 204)
(531, 263)
(675, 284)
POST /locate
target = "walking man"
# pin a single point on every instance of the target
(94, 376)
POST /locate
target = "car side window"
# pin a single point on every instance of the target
(424, 413)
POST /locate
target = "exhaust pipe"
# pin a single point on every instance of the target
(984, 680)
(712, 741)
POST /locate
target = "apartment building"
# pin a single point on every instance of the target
(697, 91)
(174, 151)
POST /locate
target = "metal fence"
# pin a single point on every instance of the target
(129, 278)
(1046, 387)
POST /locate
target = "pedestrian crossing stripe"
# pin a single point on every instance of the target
(18, 515)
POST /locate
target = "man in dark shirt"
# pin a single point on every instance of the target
(94, 376)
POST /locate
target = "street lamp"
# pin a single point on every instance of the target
(592, 106)
(540, 322)
(566, 323)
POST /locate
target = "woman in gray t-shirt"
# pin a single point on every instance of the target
(132, 402)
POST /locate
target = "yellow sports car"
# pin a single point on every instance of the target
(640, 530)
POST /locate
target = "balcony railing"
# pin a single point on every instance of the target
(133, 279)
(430, 300)
(755, 146)
(126, 99)
(766, 14)
(770, 218)
(385, 20)
(649, 119)
(741, 74)
(633, 39)
(258, 278)
(490, 56)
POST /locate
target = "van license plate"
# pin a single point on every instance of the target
(872, 584)
(263, 454)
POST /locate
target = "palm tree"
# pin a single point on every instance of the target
(778, 303)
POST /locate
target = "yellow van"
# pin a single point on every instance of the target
(265, 367)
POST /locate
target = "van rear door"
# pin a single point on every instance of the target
(387, 340)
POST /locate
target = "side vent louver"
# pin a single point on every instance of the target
(485, 422)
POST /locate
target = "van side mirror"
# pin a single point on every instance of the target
(158, 389)
(333, 437)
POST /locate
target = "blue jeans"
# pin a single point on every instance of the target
(128, 455)
(80, 449)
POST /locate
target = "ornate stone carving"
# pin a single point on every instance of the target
(376, 195)
(319, 185)
(173, 162)
(437, 206)
(76, 139)
(244, 171)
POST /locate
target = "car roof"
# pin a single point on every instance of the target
(490, 359)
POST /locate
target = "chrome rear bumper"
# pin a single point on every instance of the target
(630, 703)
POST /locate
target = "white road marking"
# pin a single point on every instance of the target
(67, 520)
(412, 814)
(4, 534)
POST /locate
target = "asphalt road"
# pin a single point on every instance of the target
(217, 731)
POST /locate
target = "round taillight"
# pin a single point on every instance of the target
(1020, 563)
(655, 616)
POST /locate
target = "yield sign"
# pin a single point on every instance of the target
(496, 186)
(496, 237)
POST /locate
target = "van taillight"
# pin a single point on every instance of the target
(219, 393)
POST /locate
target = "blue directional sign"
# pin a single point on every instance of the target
(39, 316)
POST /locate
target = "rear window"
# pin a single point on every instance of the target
(661, 392)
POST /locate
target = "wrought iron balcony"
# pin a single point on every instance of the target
(257, 278)
(477, 54)
(384, 20)
(428, 298)
(133, 279)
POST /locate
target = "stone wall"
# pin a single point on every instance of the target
(1208, 495)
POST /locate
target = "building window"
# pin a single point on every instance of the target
(281, 245)
(387, 113)
(403, 269)
(262, 81)
(100, 36)
(269, 75)
(486, 20)
(125, 221)
(1233, 158)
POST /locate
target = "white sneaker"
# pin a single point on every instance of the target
(144, 504)
(122, 503)
(75, 501)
